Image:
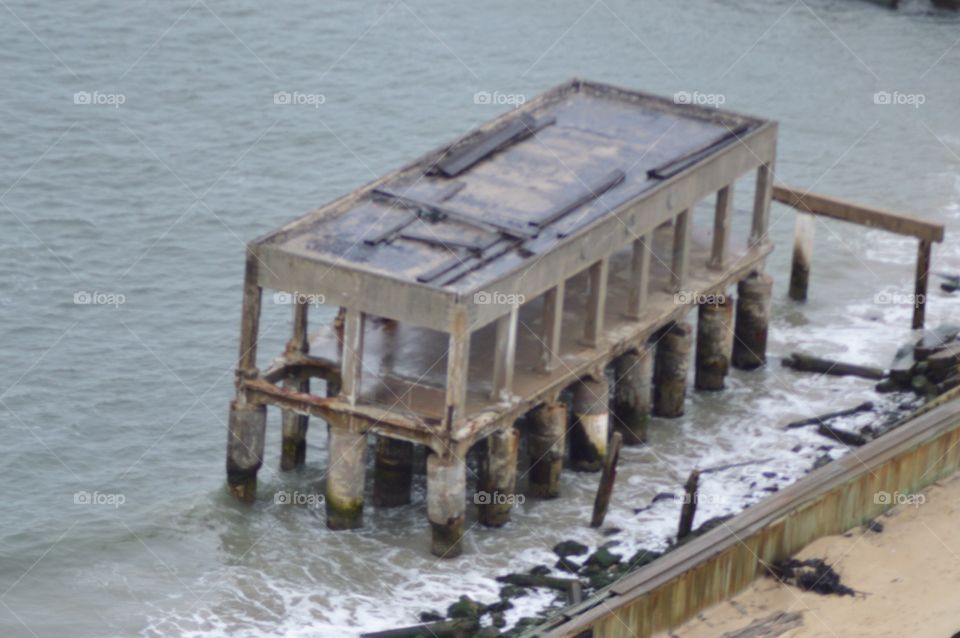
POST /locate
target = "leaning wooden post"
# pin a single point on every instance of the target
(689, 509)
(607, 478)
(294, 426)
(446, 503)
(714, 343)
(545, 444)
(803, 232)
(346, 465)
(588, 437)
(246, 429)
(632, 375)
(498, 477)
(753, 315)
(392, 472)
(920, 290)
(670, 369)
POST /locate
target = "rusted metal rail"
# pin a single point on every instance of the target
(809, 205)
(716, 566)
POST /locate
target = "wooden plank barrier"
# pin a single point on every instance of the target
(809, 205)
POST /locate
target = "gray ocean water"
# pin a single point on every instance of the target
(141, 145)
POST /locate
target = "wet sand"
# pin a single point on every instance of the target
(907, 578)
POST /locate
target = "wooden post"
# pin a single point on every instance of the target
(803, 233)
(588, 442)
(721, 227)
(247, 422)
(294, 426)
(681, 249)
(498, 477)
(761, 204)
(689, 509)
(753, 314)
(639, 277)
(458, 358)
(607, 478)
(352, 366)
(920, 290)
(245, 438)
(504, 355)
(596, 304)
(670, 370)
(545, 444)
(714, 343)
(632, 372)
(392, 472)
(446, 503)
(552, 323)
(346, 465)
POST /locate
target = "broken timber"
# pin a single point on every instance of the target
(483, 279)
(809, 205)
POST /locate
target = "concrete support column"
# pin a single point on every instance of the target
(392, 472)
(714, 343)
(753, 315)
(632, 374)
(293, 448)
(245, 437)
(446, 503)
(498, 477)
(346, 464)
(591, 413)
(670, 369)
(545, 444)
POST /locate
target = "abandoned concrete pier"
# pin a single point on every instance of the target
(497, 276)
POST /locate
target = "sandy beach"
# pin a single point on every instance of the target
(907, 580)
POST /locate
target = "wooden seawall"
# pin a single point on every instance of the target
(714, 567)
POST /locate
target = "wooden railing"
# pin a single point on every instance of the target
(810, 204)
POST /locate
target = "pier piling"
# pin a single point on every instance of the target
(245, 439)
(670, 369)
(498, 477)
(633, 373)
(293, 449)
(346, 465)
(714, 343)
(392, 472)
(545, 444)
(753, 315)
(588, 442)
(446, 504)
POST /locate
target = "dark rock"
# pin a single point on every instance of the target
(570, 548)
(769, 475)
(431, 616)
(508, 592)
(500, 606)
(873, 526)
(887, 386)
(610, 544)
(487, 632)
(771, 488)
(821, 461)
(641, 558)
(466, 608)
(663, 496)
(567, 565)
(810, 575)
(540, 570)
(611, 531)
(603, 558)
(796, 448)
(498, 619)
